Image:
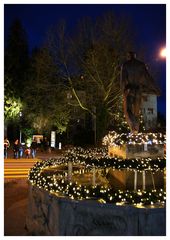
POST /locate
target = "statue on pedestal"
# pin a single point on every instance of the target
(135, 80)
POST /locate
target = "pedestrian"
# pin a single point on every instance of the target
(16, 149)
(28, 152)
(21, 150)
(6, 147)
(45, 144)
(33, 148)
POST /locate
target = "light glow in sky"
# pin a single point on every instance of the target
(163, 53)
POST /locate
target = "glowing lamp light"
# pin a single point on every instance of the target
(28, 142)
(163, 53)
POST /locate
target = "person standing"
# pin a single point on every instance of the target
(45, 144)
(28, 152)
(33, 148)
(21, 150)
(6, 147)
(16, 148)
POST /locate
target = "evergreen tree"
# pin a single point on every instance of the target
(46, 105)
(16, 59)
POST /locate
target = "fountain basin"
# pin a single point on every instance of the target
(51, 215)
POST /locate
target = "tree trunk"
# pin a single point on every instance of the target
(102, 123)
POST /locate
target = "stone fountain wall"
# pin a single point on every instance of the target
(49, 215)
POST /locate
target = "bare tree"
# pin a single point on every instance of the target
(89, 60)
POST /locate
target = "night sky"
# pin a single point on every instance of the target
(149, 23)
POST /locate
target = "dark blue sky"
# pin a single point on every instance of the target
(149, 23)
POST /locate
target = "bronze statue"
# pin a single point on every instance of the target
(135, 80)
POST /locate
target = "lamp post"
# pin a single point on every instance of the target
(20, 133)
(94, 124)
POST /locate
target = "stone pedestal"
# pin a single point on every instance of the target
(137, 151)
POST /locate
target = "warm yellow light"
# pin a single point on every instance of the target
(163, 53)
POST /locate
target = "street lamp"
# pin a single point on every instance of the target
(163, 53)
(20, 133)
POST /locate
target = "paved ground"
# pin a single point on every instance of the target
(16, 197)
(18, 168)
(15, 207)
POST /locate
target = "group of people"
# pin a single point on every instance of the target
(19, 150)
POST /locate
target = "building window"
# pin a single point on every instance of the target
(150, 110)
